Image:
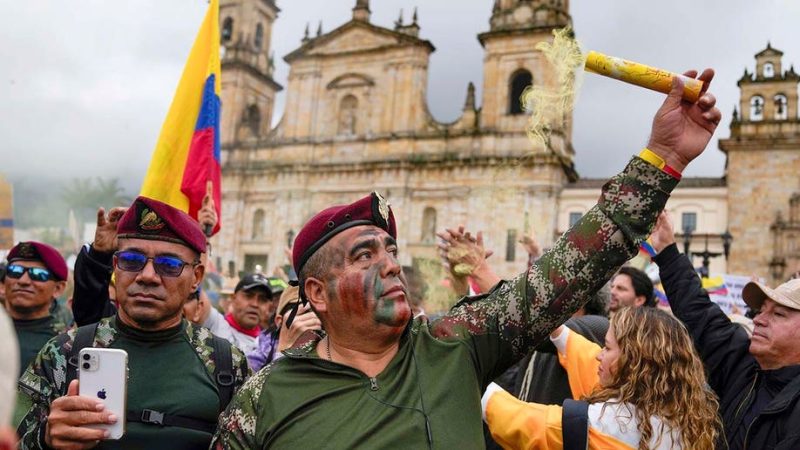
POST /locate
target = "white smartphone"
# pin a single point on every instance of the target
(103, 374)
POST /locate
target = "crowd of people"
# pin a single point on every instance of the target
(573, 353)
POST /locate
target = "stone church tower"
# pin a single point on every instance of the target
(764, 205)
(248, 90)
(356, 120)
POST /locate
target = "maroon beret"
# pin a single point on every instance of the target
(157, 221)
(370, 210)
(37, 251)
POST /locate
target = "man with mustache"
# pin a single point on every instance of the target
(35, 276)
(180, 376)
(240, 325)
(756, 378)
(377, 378)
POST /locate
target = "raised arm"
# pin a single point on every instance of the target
(502, 326)
(466, 256)
(92, 275)
(578, 356)
(722, 345)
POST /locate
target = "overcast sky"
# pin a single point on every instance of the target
(85, 84)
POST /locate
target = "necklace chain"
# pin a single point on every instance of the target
(328, 347)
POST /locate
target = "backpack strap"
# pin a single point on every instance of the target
(575, 424)
(151, 417)
(223, 370)
(84, 337)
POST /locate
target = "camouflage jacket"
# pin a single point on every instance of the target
(45, 378)
(429, 394)
(62, 315)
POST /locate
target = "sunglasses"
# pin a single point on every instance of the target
(164, 265)
(35, 273)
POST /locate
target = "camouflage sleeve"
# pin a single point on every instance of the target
(240, 367)
(43, 381)
(501, 327)
(237, 425)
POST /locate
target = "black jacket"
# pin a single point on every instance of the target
(743, 388)
(92, 275)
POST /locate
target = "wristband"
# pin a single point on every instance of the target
(655, 160)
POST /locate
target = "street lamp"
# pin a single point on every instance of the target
(727, 240)
(687, 240)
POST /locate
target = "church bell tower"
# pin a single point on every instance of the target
(763, 162)
(248, 89)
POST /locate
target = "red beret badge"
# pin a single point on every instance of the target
(149, 222)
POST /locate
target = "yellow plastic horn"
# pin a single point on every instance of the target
(641, 75)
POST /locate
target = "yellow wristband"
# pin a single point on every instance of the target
(652, 158)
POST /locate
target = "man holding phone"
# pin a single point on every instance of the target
(180, 376)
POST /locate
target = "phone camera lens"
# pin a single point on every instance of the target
(86, 366)
(86, 356)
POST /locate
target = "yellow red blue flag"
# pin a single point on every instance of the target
(186, 159)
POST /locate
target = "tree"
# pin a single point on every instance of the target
(85, 195)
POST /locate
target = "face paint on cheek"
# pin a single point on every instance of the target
(393, 311)
(351, 294)
(385, 312)
(377, 283)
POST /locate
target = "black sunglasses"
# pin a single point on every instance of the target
(35, 273)
(164, 265)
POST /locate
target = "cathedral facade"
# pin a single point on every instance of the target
(356, 120)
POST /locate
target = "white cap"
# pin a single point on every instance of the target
(787, 294)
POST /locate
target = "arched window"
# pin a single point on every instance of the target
(429, 225)
(258, 224)
(756, 108)
(347, 115)
(520, 80)
(781, 107)
(252, 118)
(769, 70)
(227, 29)
(259, 39)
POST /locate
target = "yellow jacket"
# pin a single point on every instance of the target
(515, 424)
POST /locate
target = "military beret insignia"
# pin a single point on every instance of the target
(154, 220)
(149, 221)
(382, 207)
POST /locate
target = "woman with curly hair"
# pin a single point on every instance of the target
(646, 389)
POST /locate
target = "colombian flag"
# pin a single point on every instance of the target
(186, 160)
(715, 286)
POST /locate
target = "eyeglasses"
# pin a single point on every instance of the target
(35, 273)
(165, 266)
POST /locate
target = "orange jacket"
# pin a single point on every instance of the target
(515, 424)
